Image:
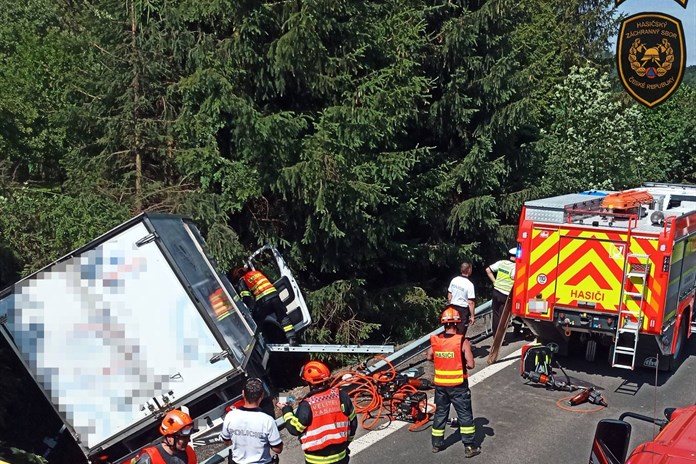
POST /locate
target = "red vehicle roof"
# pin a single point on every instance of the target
(675, 444)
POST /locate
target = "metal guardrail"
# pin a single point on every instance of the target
(417, 347)
(324, 348)
(397, 358)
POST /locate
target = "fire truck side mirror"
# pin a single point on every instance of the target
(668, 413)
(610, 444)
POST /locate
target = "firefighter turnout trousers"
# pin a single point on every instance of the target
(460, 397)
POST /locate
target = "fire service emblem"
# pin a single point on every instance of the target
(651, 56)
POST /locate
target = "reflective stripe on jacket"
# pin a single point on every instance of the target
(258, 284)
(504, 277)
(330, 425)
(447, 357)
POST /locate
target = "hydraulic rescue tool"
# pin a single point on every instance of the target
(536, 366)
(388, 395)
(549, 381)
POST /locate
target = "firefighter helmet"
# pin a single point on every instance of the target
(513, 251)
(450, 315)
(238, 272)
(315, 372)
(176, 422)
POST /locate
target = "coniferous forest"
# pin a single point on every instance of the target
(377, 144)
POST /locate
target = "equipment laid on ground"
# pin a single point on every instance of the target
(133, 324)
(580, 397)
(536, 366)
(387, 395)
(549, 381)
(615, 268)
(587, 394)
(596, 398)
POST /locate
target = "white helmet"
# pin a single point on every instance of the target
(513, 251)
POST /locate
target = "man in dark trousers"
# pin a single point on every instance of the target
(462, 296)
(325, 419)
(452, 356)
(502, 281)
(266, 299)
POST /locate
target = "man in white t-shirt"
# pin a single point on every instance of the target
(252, 432)
(461, 295)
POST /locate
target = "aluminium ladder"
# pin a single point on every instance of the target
(630, 321)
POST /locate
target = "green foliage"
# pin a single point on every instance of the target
(336, 307)
(44, 224)
(38, 58)
(375, 142)
(17, 456)
(672, 129)
(689, 76)
(595, 141)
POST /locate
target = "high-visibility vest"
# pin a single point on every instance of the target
(156, 458)
(258, 284)
(330, 425)
(504, 277)
(447, 357)
(221, 305)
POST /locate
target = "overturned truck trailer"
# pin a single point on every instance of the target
(129, 326)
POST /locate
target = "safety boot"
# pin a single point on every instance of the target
(289, 331)
(471, 450)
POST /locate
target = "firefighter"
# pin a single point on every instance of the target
(266, 299)
(502, 282)
(176, 428)
(452, 356)
(324, 421)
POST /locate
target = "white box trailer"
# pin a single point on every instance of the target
(122, 329)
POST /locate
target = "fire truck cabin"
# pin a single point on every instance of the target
(610, 268)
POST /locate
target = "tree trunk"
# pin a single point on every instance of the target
(136, 128)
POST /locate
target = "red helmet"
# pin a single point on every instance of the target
(315, 372)
(450, 315)
(176, 422)
(238, 272)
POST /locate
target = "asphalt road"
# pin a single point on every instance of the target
(522, 423)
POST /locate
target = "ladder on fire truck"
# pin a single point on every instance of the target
(630, 321)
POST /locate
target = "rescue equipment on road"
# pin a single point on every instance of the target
(387, 395)
(536, 366)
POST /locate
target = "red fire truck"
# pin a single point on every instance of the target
(614, 268)
(675, 444)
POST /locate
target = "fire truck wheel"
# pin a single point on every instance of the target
(675, 359)
(590, 350)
